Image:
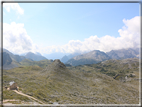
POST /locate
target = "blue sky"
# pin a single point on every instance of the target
(70, 27)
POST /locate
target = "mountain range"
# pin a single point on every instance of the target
(56, 55)
(97, 56)
(88, 58)
(65, 58)
(16, 58)
(10, 60)
(34, 57)
(124, 53)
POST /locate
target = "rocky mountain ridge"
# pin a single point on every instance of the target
(124, 53)
(77, 59)
(88, 58)
(97, 56)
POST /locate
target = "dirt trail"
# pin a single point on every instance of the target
(10, 100)
(28, 96)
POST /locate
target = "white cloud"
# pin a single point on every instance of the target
(129, 38)
(14, 6)
(15, 38)
(130, 33)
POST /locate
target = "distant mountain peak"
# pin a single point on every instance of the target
(37, 53)
(96, 51)
(124, 53)
(29, 53)
(92, 57)
(34, 56)
(64, 59)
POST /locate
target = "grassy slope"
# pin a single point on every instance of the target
(76, 85)
(42, 63)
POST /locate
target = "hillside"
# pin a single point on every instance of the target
(42, 63)
(84, 84)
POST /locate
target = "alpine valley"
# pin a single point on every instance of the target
(93, 78)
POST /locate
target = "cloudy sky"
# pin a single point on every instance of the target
(70, 27)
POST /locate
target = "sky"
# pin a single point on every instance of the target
(70, 27)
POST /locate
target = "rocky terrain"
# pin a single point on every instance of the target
(52, 82)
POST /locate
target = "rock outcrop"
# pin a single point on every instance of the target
(57, 63)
